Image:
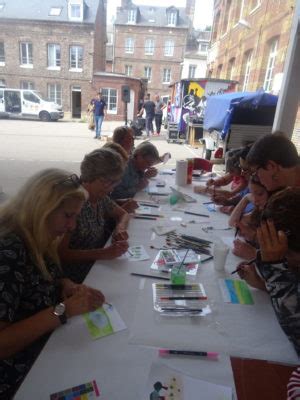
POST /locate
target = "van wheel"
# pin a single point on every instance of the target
(45, 116)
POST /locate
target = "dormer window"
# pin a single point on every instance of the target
(75, 10)
(55, 11)
(131, 16)
(172, 18)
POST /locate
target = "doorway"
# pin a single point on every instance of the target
(76, 102)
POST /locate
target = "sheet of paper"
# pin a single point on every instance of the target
(85, 391)
(137, 253)
(235, 291)
(169, 384)
(104, 321)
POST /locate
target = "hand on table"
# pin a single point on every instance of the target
(249, 274)
(130, 205)
(119, 235)
(210, 182)
(116, 249)
(150, 172)
(243, 249)
(273, 244)
(83, 300)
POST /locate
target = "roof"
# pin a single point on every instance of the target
(115, 75)
(38, 10)
(152, 16)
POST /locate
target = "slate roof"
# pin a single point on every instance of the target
(38, 10)
(152, 16)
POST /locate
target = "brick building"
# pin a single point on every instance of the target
(58, 48)
(149, 42)
(249, 42)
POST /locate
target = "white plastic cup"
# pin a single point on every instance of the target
(220, 251)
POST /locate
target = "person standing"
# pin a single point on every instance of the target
(159, 106)
(100, 112)
(149, 107)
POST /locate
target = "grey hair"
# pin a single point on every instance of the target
(101, 163)
(147, 150)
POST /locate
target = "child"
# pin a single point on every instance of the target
(247, 223)
(278, 261)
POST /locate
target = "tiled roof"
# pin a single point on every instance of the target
(39, 10)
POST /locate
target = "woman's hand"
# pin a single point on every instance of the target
(150, 172)
(273, 244)
(115, 250)
(246, 231)
(244, 250)
(68, 287)
(83, 300)
(119, 235)
(130, 205)
(210, 182)
(249, 274)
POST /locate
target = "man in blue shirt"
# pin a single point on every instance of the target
(100, 112)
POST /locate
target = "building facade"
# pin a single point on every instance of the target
(149, 43)
(53, 49)
(249, 42)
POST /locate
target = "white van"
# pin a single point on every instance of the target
(23, 103)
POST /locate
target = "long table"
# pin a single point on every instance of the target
(120, 363)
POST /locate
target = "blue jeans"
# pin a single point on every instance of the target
(149, 124)
(98, 123)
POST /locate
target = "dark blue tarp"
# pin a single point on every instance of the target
(220, 109)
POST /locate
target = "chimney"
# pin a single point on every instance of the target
(190, 9)
(125, 3)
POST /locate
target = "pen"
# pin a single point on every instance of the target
(150, 276)
(149, 218)
(208, 202)
(239, 268)
(130, 252)
(178, 287)
(158, 194)
(207, 259)
(148, 205)
(193, 213)
(184, 298)
(149, 215)
(236, 232)
(165, 352)
(181, 309)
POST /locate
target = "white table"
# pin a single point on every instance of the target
(120, 368)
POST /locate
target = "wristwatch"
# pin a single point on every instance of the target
(60, 312)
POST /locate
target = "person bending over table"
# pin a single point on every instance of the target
(276, 269)
(34, 297)
(247, 223)
(101, 170)
(128, 205)
(123, 135)
(275, 160)
(139, 169)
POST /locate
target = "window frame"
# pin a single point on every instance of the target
(128, 47)
(27, 85)
(57, 61)
(269, 75)
(247, 69)
(146, 74)
(107, 98)
(57, 98)
(194, 67)
(165, 75)
(131, 16)
(27, 57)
(149, 49)
(77, 68)
(128, 68)
(169, 48)
(172, 18)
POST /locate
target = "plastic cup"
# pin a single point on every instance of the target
(178, 275)
(220, 251)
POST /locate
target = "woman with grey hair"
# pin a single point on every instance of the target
(101, 171)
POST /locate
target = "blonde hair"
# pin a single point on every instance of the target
(101, 163)
(120, 133)
(26, 214)
(118, 149)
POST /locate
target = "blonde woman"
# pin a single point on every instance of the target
(101, 171)
(34, 299)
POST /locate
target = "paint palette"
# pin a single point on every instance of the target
(85, 391)
(167, 259)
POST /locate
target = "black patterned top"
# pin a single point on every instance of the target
(23, 293)
(283, 286)
(90, 233)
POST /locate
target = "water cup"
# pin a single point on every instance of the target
(178, 275)
(220, 251)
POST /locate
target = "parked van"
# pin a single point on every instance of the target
(23, 103)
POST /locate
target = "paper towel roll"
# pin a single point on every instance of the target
(181, 172)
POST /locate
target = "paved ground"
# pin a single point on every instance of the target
(28, 146)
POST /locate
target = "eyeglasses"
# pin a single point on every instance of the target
(72, 179)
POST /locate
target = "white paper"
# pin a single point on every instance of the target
(137, 253)
(177, 386)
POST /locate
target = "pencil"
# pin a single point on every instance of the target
(184, 298)
(150, 276)
(246, 263)
(141, 217)
(193, 213)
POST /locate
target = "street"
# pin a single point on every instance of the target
(28, 146)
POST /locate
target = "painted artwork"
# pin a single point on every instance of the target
(235, 291)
